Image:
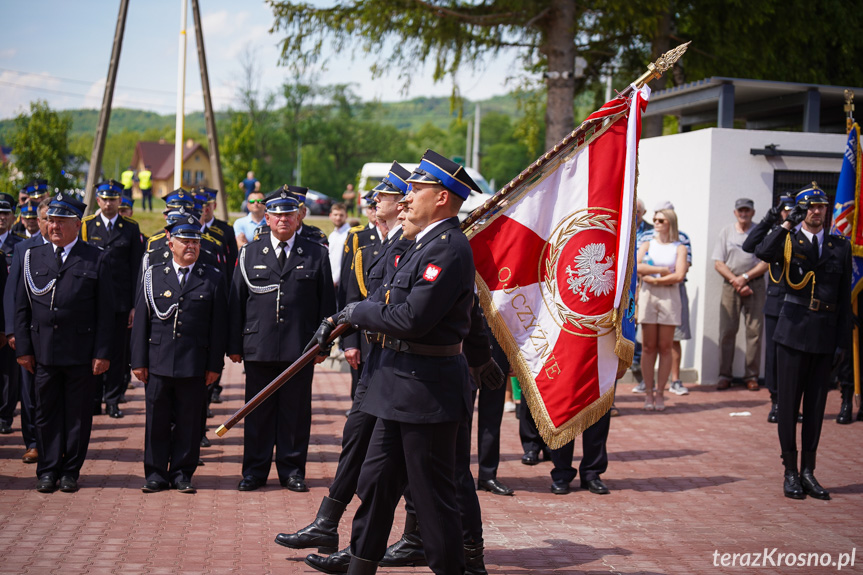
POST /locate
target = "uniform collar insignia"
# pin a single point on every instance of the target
(266, 250)
(300, 251)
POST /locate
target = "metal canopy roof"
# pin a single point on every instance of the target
(762, 104)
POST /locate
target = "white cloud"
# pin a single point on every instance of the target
(21, 89)
(8, 53)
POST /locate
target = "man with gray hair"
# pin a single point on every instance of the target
(743, 291)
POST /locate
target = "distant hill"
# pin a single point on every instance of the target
(408, 115)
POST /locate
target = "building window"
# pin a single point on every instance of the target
(199, 176)
(187, 177)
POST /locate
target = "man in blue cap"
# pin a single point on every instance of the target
(31, 194)
(282, 286)
(25, 387)
(66, 296)
(221, 230)
(814, 324)
(305, 230)
(177, 356)
(775, 293)
(120, 239)
(418, 378)
(8, 370)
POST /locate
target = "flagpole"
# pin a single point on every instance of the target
(181, 99)
(855, 342)
(654, 70)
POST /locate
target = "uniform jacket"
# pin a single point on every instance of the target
(371, 263)
(16, 277)
(427, 300)
(358, 237)
(775, 289)
(195, 342)
(76, 327)
(314, 234)
(9, 244)
(261, 330)
(224, 232)
(123, 249)
(798, 326)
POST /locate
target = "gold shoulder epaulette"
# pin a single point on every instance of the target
(154, 238)
(130, 220)
(88, 218)
(207, 236)
(356, 229)
(219, 231)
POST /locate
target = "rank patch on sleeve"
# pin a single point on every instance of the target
(431, 273)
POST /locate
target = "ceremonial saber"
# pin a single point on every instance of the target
(654, 70)
(277, 383)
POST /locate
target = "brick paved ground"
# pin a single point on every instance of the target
(684, 483)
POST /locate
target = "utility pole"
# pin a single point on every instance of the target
(105, 112)
(210, 116)
(468, 155)
(475, 160)
(181, 99)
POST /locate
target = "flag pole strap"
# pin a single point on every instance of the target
(654, 70)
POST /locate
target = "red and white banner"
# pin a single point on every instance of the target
(553, 272)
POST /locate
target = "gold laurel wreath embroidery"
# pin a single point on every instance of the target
(584, 222)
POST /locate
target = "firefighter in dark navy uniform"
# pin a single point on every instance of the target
(281, 287)
(418, 378)
(178, 348)
(66, 296)
(8, 368)
(814, 322)
(775, 293)
(120, 238)
(358, 238)
(221, 230)
(305, 230)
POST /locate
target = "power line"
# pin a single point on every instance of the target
(90, 83)
(76, 94)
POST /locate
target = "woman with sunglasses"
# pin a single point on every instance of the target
(661, 267)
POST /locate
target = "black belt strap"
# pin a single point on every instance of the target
(811, 303)
(411, 347)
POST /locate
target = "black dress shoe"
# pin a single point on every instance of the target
(494, 486)
(322, 533)
(530, 458)
(792, 487)
(811, 487)
(295, 483)
(186, 487)
(216, 396)
(68, 484)
(205, 442)
(47, 483)
(771, 417)
(595, 486)
(113, 411)
(560, 487)
(5, 428)
(154, 487)
(250, 483)
(338, 562)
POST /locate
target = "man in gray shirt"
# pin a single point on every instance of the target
(743, 290)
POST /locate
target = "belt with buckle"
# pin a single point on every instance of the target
(812, 303)
(411, 347)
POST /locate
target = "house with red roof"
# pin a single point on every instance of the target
(159, 157)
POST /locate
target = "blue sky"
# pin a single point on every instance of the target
(59, 51)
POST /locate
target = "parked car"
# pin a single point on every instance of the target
(318, 204)
(372, 173)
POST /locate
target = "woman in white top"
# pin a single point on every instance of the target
(661, 266)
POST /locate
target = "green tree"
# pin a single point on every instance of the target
(452, 33)
(40, 143)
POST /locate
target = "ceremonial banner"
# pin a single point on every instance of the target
(554, 264)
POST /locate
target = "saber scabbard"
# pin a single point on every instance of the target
(277, 383)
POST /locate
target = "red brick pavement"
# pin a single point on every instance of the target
(685, 483)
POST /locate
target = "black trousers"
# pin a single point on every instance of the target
(9, 370)
(113, 382)
(527, 431)
(355, 444)
(64, 417)
(770, 377)
(172, 437)
(284, 421)
(468, 502)
(594, 459)
(802, 376)
(425, 456)
(489, 418)
(27, 387)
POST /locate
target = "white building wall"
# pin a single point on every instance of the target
(702, 173)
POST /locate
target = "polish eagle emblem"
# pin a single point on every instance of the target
(591, 273)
